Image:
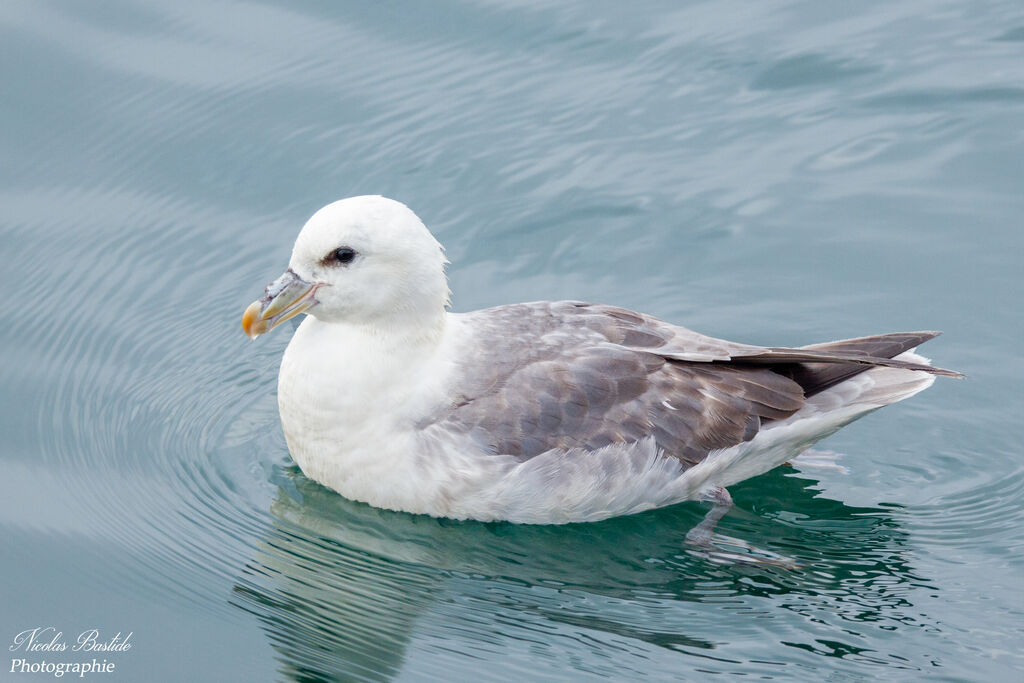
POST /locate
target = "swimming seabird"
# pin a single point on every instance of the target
(545, 412)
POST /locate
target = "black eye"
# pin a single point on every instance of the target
(342, 255)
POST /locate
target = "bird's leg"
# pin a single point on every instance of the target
(726, 549)
(721, 503)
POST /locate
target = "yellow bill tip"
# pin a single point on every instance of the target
(253, 324)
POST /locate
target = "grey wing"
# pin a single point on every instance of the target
(561, 375)
(566, 375)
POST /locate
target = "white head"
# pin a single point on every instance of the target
(363, 261)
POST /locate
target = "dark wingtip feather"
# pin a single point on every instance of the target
(820, 366)
(932, 334)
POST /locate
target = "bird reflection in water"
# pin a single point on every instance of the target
(342, 588)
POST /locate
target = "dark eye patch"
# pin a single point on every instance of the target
(341, 255)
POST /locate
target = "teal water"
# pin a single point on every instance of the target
(777, 172)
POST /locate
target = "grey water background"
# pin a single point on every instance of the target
(773, 172)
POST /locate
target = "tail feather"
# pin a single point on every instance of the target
(823, 414)
(873, 389)
(820, 366)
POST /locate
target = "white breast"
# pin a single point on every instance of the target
(349, 407)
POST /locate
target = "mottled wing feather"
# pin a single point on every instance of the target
(568, 375)
(561, 375)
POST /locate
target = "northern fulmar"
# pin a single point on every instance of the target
(546, 412)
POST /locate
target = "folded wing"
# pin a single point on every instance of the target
(562, 375)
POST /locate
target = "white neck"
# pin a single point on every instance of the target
(401, 331)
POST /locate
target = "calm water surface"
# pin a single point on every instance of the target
(775, 172)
